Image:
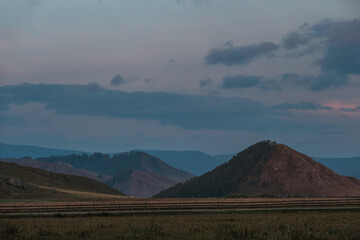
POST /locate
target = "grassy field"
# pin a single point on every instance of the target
(236, 225)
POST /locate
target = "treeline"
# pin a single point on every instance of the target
(101, 163)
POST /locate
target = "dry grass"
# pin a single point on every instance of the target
(279, 225)
(83, 194)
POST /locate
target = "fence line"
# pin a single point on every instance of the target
(149, 204)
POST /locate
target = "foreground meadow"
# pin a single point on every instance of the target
(232, 225)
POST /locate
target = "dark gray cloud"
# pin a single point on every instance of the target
(247, 81)
(294, 39)
(230, 55)
(288, 80)
(300, 106)
(314, 83)
(325, 81)
(342, 59)
(355, 109)
(240, 81)
(270, 85)
(343, 45)
(340, 40)
(321, 82)
(185, 111)
(205, 82)
(291, 79)
(149, 80)
(117, 80)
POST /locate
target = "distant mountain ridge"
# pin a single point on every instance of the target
(104, 164)
(267, 168)
(20, 151)
(194, 162)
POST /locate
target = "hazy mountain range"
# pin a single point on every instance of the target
(194, 162)
(135, 173)
(253, 171)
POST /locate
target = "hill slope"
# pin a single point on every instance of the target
(139, 183)
(31, 180)
(268, 168)
(194, 162)
(57, 167)
(104, 164)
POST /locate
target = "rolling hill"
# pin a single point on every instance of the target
(267, 168)
(27, 182)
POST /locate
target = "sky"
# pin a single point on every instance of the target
(214, 76)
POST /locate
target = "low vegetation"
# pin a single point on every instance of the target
(240, 225)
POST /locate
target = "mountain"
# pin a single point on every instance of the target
(194, 162)
(19, 151)
(104, 164)
(26, 182)
(343, 166)
(267, 168)
(138, 183)
(57, 167)
(148, 175)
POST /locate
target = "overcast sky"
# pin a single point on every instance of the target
(215, 76)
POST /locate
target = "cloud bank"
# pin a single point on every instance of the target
(340, 40)
(184, 111)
